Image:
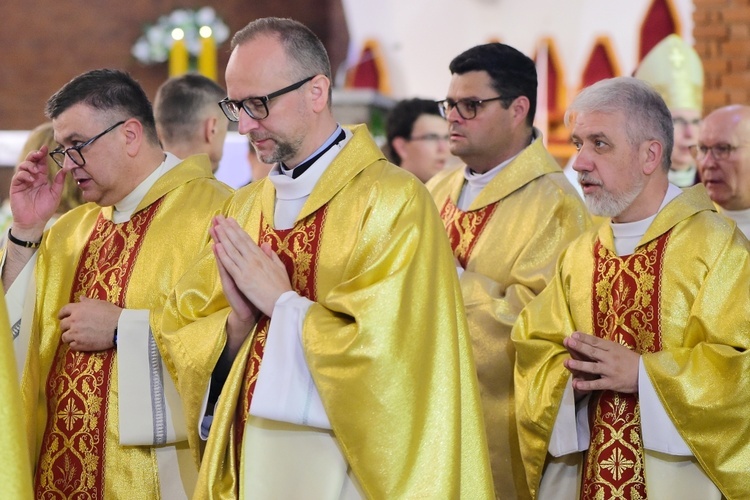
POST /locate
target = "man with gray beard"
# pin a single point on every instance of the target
(615, 355)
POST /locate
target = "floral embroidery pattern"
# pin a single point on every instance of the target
(464, 228)
(626, 297)
(73, 444)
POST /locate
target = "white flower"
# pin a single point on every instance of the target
(153, 46)
(205, 16)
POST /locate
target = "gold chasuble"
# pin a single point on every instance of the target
(72, 398)
(385, 339)
(15, 472)
(507, 242)
(682, 301)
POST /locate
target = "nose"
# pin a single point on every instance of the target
(247, 123)
(582, 162)
(708, 161)
(452, 114)
(691, 130)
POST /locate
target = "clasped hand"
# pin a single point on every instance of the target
(89, 325)
(253, 277)
(600, 364)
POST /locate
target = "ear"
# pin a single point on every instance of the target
(319, 91)
(651, 156)
(132, 129)
(209, 129)
(399, 146)
(519, 109)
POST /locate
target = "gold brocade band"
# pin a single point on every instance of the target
(626, 293)
(78, 385)
(298, 250)
(464, 228)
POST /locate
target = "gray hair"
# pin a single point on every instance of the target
(302, 46)
(646, 114)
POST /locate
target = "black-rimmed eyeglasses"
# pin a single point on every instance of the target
(256, 107)
(467, 108)
(74, 152)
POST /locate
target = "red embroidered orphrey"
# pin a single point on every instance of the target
(465, 228)
(625, 306)
(71, 464)
(298, 249)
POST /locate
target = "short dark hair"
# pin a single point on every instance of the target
(106, 90)
(401, 120)
(302, 46)
(181, 102)
(513, 74)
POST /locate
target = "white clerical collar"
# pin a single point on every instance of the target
(288, 188)
(291, 194)
(124, 209)
(741, 217)
(476, 181)
(628, 234)
(683, 178)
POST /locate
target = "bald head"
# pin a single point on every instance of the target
(723, 156)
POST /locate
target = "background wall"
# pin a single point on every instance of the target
(47, 42)
(722, 39)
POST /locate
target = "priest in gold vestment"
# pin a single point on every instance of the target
(15, 473)
(357, 379)
(104, 420)
(508, 214)
(631, 370)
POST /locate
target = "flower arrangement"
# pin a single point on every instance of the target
(155, 43)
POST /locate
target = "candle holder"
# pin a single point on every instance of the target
(186, 38)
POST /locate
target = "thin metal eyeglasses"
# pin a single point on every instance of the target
(256, 107)
(684, 123)
(720, 151)
(431, 138)
(74, 152)
(467, 108)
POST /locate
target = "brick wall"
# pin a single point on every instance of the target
(722, 39)
(46, 43)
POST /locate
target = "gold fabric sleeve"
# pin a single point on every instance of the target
(538, 215)
(15, 473)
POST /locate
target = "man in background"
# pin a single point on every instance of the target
(509, 213)
(723, 156)
(675, 71)
(188, 118)
(417, 137)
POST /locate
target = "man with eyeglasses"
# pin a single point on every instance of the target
(417, 137)
(508, 214)
(632, 365)
(102, 412)
(330, 292)
(675, 71)
(723, 156)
